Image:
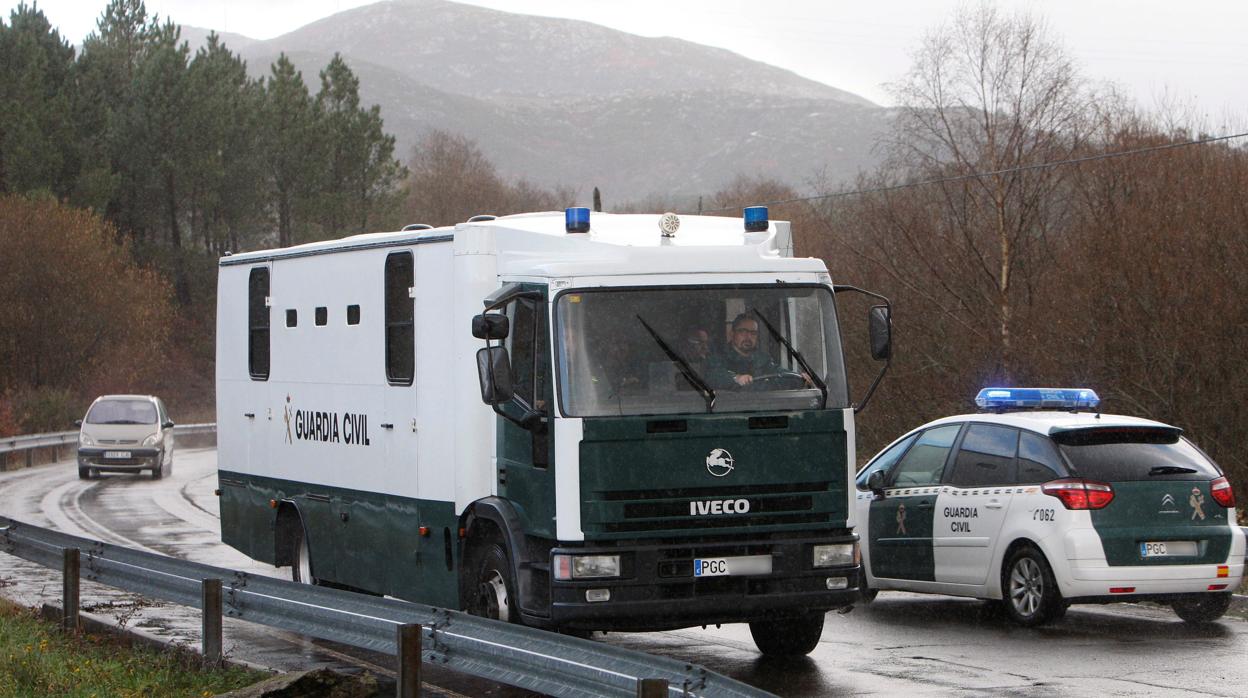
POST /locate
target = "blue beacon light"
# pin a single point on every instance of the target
(576, 220)
(1037, 398)
(755, 219)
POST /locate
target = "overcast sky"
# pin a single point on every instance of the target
(1194, 52)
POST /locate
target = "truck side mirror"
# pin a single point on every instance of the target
(494, 372)
(875, 482)
(881, 329)
(490, 326)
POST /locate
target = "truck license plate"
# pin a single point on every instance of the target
(116, 454)
(726, 566)
(1168, 548)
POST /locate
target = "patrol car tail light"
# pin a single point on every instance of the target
(1222, 492)
(1076, 493)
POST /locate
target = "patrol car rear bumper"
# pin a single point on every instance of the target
(1095, 581)
(659, 592)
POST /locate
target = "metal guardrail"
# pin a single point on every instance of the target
(534, 659)
(10, 444)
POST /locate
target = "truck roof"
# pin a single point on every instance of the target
(616, 243)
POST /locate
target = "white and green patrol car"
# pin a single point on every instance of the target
(1040, 501)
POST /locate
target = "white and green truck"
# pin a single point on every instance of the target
(545, 419)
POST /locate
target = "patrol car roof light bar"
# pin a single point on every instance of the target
(1002, 399)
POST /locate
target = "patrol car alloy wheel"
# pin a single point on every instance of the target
(1202, 608)
(1031, 595)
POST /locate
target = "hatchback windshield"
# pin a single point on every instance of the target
(122, 412)
(1118, 455)
(665, 351)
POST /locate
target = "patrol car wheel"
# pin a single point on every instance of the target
(1202, 608)
(1031, 594)
(788, 637)
(494, 593)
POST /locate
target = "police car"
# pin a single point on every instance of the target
(1040, 501)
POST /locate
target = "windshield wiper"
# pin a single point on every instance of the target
(685, 369)
(814, 377)
(1170, 470)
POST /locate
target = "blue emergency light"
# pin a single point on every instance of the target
(576, 220)
(1037, 398)
(755, 219)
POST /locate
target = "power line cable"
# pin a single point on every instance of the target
(1008, 170)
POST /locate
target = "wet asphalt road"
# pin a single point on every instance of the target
(900, 644)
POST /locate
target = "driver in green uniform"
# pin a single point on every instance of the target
(742, 361)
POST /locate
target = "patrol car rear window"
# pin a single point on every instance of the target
(1117, 455)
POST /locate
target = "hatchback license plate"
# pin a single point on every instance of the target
(1168, 548)
(727, 566)
(116, 454)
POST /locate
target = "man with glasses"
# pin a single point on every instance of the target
(742, 361)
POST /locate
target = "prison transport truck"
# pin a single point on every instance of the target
(518, 417)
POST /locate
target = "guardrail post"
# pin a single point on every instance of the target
(211, 640)
(69, 589)
(409, 660)
(652, 688)
(30, 458)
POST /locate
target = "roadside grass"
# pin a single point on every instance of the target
(37, 659)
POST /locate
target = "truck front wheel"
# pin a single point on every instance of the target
(493, 590)
(788, 637)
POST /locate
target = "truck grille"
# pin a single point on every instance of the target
(768, 505)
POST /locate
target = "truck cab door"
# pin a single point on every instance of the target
(526, 455)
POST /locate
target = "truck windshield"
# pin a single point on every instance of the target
(620, 352)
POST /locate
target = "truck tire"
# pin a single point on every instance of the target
(301, 559)
(84, 473)
(1030, 590)
(491, 588)
(788, 637)
(1201, 608)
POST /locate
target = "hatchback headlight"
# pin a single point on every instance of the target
(84, 440)
(569, 567)
(833, 555)
(152, 440)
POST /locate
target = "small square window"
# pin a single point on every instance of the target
(292, 317)
(322, 316)
(353, 314)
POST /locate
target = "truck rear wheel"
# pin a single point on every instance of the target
(788, 637)
(1202, 608)
(301, 560)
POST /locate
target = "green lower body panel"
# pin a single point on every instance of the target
(366, 540)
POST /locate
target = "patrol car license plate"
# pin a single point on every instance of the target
(116, 454)
(726, 566)
(1169, 548)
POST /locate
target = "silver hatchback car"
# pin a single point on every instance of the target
(125, 433)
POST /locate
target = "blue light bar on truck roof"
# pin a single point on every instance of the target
(755, 219)
(576, 220)
(1037, 398)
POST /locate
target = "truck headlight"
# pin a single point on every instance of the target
(569, 567)
(152, 440)
(833, 555)
(84, 440)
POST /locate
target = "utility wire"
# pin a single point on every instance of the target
(977, 175)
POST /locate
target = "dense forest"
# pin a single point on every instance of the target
(1030, 226)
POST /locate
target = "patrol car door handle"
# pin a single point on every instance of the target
(249, 415)
(994, 504)
(925, 505)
